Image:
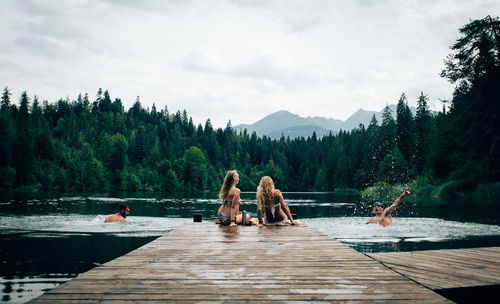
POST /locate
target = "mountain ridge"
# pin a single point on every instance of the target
(286, 123)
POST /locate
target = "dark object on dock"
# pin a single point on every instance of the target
(197, 218)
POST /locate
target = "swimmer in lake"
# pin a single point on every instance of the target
(384, 216)
(123, 211)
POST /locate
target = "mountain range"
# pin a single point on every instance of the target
(289, 124)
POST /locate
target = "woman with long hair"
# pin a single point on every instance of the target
(272, 202)
(230, 195)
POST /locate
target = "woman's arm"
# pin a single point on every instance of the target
(286, 209)
(235, 206)
(259, 209)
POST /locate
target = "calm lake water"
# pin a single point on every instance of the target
(46, 241)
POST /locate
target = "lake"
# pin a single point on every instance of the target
(46, 241)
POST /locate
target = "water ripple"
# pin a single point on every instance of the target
(75, 224)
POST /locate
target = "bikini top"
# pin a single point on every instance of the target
(229, 201)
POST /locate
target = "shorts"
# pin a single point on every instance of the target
(224, 220)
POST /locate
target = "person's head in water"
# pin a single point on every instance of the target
(123, 210)
(378, 209)
(232, 178)
(265, 190)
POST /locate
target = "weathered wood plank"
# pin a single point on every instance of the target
(450, 268)
(446, 266)
(294, 295)
(203, 262)
(235, 301)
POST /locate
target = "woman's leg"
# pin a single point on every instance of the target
(236, 211)
(239, 218)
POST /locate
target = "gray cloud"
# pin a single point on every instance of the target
(313, 57)
(265, 68)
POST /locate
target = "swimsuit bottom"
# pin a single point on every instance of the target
(224, 220)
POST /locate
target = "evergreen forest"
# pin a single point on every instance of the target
(93, 144)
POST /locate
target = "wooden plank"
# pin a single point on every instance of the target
(462, 266)
(433, 280)
(293, 295)
(203, 262)
(235, 301)
(448, 268)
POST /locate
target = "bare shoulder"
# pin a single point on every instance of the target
(236, 191)
(278, 195)
(114, 218)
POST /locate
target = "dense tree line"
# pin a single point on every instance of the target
(94, 145)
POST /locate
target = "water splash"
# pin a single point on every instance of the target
(354, 229)
(77, 224)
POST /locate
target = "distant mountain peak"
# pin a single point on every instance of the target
(286, 123)
(283, 112)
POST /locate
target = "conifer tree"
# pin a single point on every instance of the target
(405, 130)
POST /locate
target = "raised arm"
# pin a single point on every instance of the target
(286, 209)
(391, 208)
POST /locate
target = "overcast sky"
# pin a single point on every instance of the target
(234, 60)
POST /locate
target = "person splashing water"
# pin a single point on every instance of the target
(384, 216)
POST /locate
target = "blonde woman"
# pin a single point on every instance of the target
(230, 195)
(272, 202)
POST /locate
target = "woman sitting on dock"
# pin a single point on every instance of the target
(273, 203)
(230, 195)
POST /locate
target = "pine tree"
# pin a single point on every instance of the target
(423, 121)
(405, 130)
(23, 147)
(6, 130)
(474, 66)
(5, 104)
(387, 132)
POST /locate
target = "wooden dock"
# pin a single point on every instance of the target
(447, 268)
(206, 263)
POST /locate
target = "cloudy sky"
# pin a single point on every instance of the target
(234, 60)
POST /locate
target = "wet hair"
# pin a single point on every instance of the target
(377, 204)
(266, 190)
(228, 183)
(122, 207)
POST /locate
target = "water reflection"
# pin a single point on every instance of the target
(34, 262)
(230, 233)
